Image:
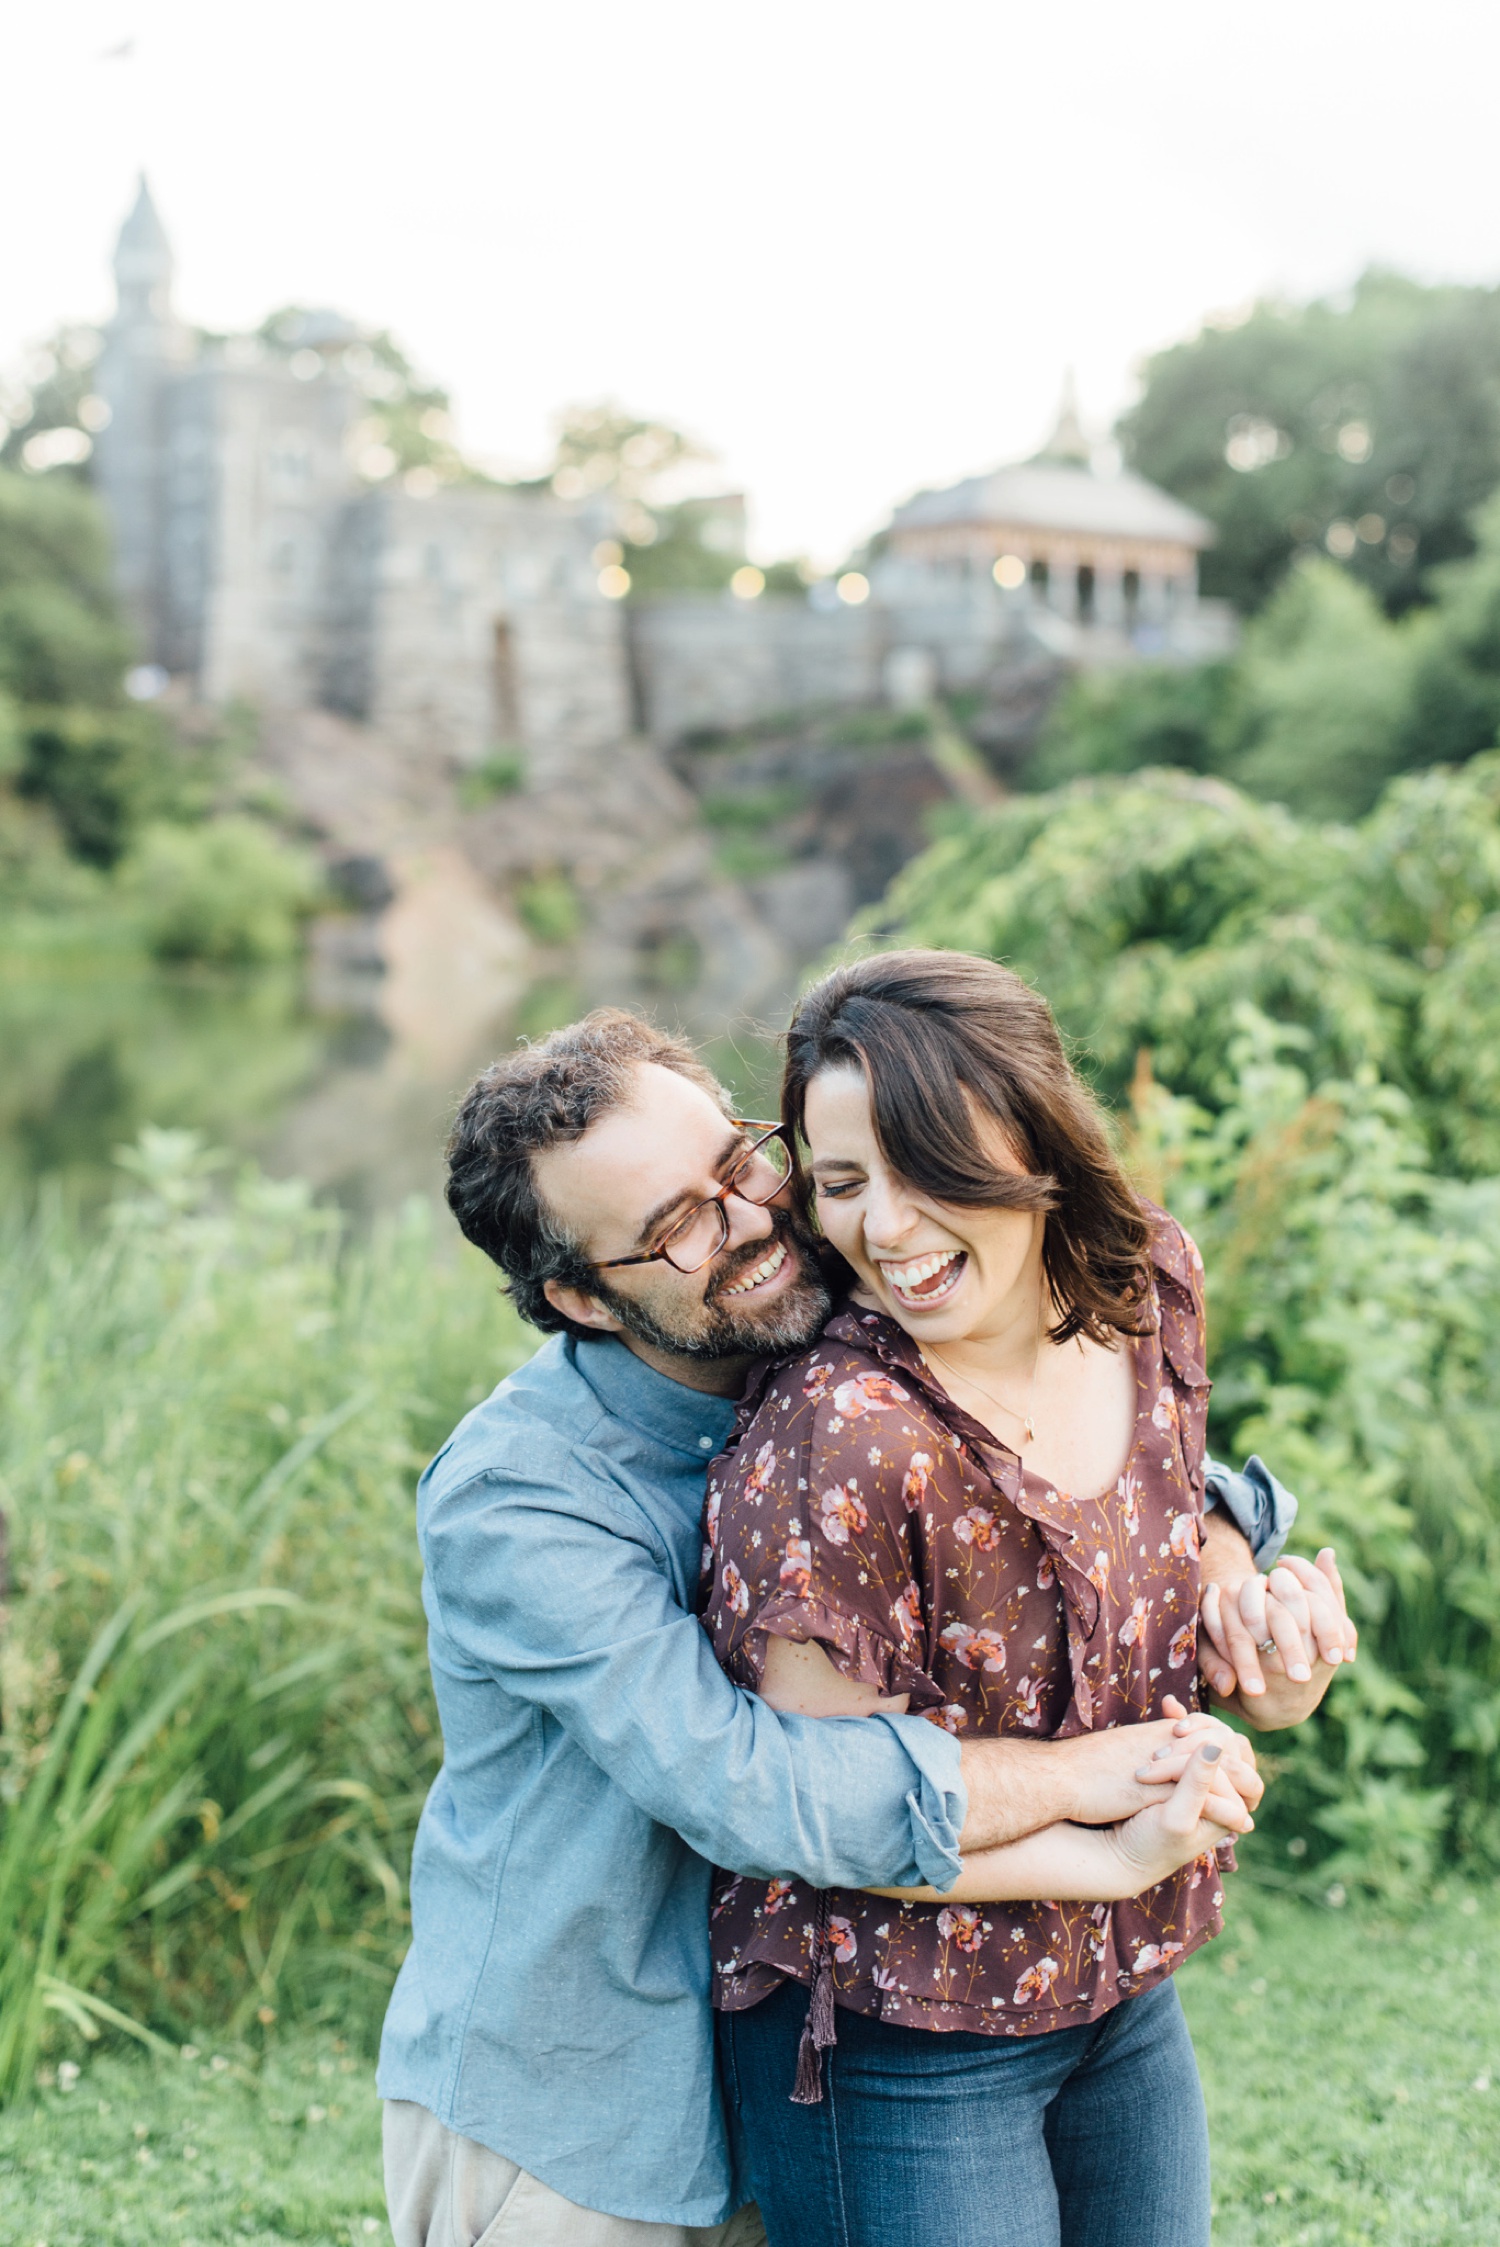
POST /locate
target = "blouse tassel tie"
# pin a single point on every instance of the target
(820, 2029)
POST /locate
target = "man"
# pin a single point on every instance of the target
(548, 2057)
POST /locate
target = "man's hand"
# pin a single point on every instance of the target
(1270, 1646)
(1016, 1787)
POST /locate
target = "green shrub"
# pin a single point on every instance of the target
(549, 908)
(1298, 1026)
(99, 773)
(229, 892)
(217, 1726)
(501, 773)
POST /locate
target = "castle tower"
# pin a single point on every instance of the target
(144, 346)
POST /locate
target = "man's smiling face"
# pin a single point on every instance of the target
(621, 1188)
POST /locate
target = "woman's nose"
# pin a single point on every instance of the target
(889, 1218)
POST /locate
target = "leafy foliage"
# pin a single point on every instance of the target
(217, 1726)
(61, 640)
(228, 892)
(1376, 420)
(53, 390)
(1325, 700)
(407, 422)
(1298, 1028)
(92, 782)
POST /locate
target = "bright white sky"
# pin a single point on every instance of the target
(852, 244)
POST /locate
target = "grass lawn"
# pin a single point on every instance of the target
(1352, 2065)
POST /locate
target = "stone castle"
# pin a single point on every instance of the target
(260, 561)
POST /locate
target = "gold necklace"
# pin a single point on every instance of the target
(1026, 1418)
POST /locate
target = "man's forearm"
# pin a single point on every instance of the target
(1015, 1788)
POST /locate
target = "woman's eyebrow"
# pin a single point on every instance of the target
(836, 1162)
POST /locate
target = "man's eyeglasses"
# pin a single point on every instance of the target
(697, 1237)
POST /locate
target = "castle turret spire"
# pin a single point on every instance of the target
(143, 347)
(1067, 442)
(143, 262)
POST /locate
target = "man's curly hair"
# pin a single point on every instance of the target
(541, 1096)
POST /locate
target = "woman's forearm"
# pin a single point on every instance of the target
(1082, 1863)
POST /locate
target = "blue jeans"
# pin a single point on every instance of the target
(1083, 2137)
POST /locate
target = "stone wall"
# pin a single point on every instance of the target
(709, 663)
(470, 621)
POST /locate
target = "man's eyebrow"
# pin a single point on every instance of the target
(656, 1218)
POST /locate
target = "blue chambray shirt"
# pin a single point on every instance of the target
(596, 1762)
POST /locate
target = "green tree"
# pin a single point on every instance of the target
(1140, 714)
(1372, 422)
(53, 390)
(408, 421)
(61, 639)
(1318, 715)
(1453, 710)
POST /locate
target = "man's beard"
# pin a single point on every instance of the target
(715, 1329)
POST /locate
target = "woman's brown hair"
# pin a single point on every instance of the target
(941, 1034)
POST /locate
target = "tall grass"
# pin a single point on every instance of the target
(217, 1729)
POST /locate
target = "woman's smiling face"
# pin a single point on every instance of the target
(942, 1272)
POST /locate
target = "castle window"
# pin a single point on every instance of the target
(291, 465)
(504, 699)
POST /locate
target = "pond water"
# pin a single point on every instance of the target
(347, 1082)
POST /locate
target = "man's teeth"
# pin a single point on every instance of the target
(907, 1278)
(765, 1271)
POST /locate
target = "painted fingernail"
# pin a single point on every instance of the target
(1300, 1673)
(1212, 1755)
(1247, 1687)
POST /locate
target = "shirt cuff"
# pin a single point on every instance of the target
(1261, 1508)
(937, 1805)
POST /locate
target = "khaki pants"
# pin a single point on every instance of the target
(446, 2191)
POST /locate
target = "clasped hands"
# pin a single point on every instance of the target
(1270, 1646)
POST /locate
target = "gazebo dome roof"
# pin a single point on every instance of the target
(1056, 495)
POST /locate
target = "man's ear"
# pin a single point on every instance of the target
(583, 1309)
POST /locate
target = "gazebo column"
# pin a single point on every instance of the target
(1109, 596)
(1152, 606)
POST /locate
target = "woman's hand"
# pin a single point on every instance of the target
(1271, 1645)
(1205, 1807)
(1193, 1732)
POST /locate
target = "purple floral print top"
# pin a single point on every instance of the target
(859, 1507)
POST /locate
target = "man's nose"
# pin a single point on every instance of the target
(748, 1221)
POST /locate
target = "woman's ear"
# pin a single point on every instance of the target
(583, 1309)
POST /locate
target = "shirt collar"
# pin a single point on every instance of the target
(670, 1413)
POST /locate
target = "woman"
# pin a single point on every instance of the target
(977, 1497)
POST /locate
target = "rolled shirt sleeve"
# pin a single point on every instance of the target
(1261, 1508)
(559, 1587)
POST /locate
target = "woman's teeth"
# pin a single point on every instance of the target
(762, 1272)
(925, 1278)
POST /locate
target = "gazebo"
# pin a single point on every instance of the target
(1105, 550)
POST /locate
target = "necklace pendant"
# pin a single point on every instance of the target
(1030, 1432)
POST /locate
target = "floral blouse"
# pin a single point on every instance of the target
(858, 1506)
